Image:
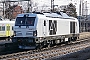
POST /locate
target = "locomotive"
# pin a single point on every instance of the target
(35, 30)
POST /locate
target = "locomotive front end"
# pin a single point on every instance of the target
(25, 31)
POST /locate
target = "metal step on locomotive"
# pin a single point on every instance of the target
(35, 30)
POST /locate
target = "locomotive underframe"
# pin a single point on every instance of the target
(39, 42)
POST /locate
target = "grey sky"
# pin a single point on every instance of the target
(59, 2)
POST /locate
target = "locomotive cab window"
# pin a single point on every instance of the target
(25, 21)
(30, 21)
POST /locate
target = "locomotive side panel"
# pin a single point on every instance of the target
(42, 27)
(63, 27)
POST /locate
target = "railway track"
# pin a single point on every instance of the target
(46, 53)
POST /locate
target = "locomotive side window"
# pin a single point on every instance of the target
(12, 27)
(2, 28)
(44, 23)
(72, 27)
(52, 27)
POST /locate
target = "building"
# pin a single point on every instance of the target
(85, 23)
(12, 11)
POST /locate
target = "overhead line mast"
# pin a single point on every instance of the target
(52, 5)
(29, 5)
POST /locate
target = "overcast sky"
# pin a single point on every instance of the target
(65, 2)
(60, 2)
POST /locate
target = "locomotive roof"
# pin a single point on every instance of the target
(7, 21)
(47, 14)
(27, 14)
(54, 15)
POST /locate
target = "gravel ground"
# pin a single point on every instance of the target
(80, 55)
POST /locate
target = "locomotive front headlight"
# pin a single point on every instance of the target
(35, 33)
